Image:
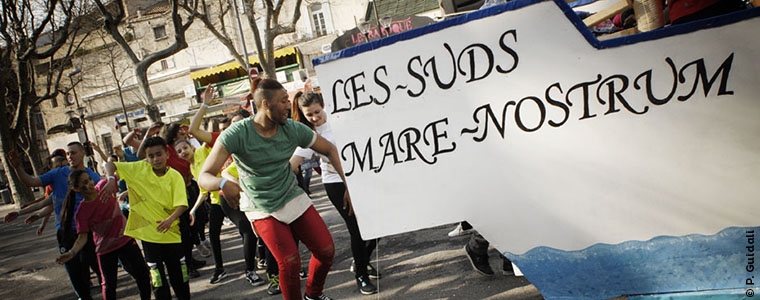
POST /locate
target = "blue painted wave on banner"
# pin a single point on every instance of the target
(722, 266)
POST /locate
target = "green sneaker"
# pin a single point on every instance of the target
(274, 285)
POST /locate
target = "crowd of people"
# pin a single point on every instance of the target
(149, 207)
(160, 191)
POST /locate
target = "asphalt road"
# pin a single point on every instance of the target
(424, 264)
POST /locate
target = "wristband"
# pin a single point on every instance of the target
(111, 177)
(221, 183)
(204, 105)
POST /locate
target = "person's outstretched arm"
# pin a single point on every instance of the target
(208, 180)
(324, 147)
(15, 162)
(131, 138)
(198, 203)
(34, 207)
(78, 245)
(152, 131)
(195, 124)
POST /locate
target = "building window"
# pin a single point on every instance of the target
(318, 19)
(167, 64)
(107, 143)
(159, 32)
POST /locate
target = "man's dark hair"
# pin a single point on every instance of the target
(154, 141)
(75, 143)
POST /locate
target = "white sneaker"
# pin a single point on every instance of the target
(204, 248)
(458, 231)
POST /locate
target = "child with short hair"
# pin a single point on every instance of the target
(157, 199)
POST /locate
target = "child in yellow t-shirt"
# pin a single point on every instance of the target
(157, 198)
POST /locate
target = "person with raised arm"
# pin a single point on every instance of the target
(309, 109)
(279, 210)
(106, 223)
(219, 209)
(157, 199)
(77, 268)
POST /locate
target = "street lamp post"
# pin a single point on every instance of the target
(364, 29)
(80, 111)
(386, 23)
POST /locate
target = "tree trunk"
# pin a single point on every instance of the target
(150, 106)
(268, 63)
(20, 193)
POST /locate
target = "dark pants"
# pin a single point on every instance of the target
(246, 233)
(360, 250)
(184, 225)
(78, 268)
(216, 218)
(171, 255)
(132, 259)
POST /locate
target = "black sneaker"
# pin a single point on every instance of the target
(253, 278)
(218, 276)
(274, 285)
(479, 262)
(261, 264)
(365, 286)
(320, 297)
(197, 264)
(193, 273)
(304, 273)
(371, 271)
(506, 267)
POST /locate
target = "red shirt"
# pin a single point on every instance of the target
(182, 166)
(104, 220)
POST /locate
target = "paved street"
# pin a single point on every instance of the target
(424, 264)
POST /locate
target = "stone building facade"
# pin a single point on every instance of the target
(176, 81)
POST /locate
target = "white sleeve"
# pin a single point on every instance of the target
(305, 153)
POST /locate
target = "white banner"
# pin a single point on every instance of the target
(517, 124)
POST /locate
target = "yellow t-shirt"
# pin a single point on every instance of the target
(152, 199)
(232, 169)
(198, 159)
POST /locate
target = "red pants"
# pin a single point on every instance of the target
(311, 230)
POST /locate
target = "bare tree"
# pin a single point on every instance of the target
(215, 22)
(29, 35)
(110, 56)
(114, 15)
(272, 29)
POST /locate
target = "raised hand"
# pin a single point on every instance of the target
(208, 95)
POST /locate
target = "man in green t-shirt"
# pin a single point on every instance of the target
(157, 198)
(279, 210)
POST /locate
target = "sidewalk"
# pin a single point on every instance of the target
(424, 264)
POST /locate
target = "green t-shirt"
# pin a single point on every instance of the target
(264, 163)
(152, 199)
